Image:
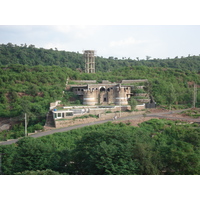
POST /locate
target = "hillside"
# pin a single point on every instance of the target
(30, 55)
(41, 78)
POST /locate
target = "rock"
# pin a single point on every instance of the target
(4, 127)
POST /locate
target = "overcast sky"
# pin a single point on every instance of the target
(99, 26)
(157, 41)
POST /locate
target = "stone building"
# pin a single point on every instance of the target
(103, 94)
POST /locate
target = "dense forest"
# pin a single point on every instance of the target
(155, 147)
(30, 55)
(32, 78)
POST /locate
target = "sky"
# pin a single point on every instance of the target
(130, 41)
(131, 29)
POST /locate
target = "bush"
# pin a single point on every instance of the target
(38, 127)
(133, 103)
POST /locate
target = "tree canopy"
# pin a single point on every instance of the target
(30, 55)
(155, 147)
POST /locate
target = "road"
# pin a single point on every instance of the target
(160, 115)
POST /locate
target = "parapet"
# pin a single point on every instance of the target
(84, 81)
(134, 81)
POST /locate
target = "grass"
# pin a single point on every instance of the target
(195, 113)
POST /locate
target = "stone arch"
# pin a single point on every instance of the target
(102, 89)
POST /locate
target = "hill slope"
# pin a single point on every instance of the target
(30, 55)
(31, 86)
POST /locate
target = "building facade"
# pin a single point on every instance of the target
(103, 94)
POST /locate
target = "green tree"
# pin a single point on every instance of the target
(8, 156)
(170, 95)
(132, 103)
(31, 154)
(105, 151)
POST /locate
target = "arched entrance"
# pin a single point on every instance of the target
(103, 97)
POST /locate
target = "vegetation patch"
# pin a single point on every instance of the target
(86, 116)
(157, 146)
(195, 113)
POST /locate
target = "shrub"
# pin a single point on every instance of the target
(38, 127)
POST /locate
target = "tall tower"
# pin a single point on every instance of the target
(89, 61)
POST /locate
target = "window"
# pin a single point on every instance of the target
(59, 114)
(55, 115)
(104, 99)
(69, 114)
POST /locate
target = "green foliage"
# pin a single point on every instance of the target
(105, 150)
(139, 91)
(195, 113)
(171, 95)
(31, 155)
(85, 116)
(8, 157)
(108, 111)
(156, 147)
(133, 103)
(32, 56)
(33, 90)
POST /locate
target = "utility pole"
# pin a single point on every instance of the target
(25, 125)
(195, 96)
(120, 103)
(120, 108)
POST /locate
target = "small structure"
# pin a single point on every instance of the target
(89, 56)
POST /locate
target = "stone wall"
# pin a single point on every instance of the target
(84, 81)
(133, 81)
(54, 104)
(106, 116)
